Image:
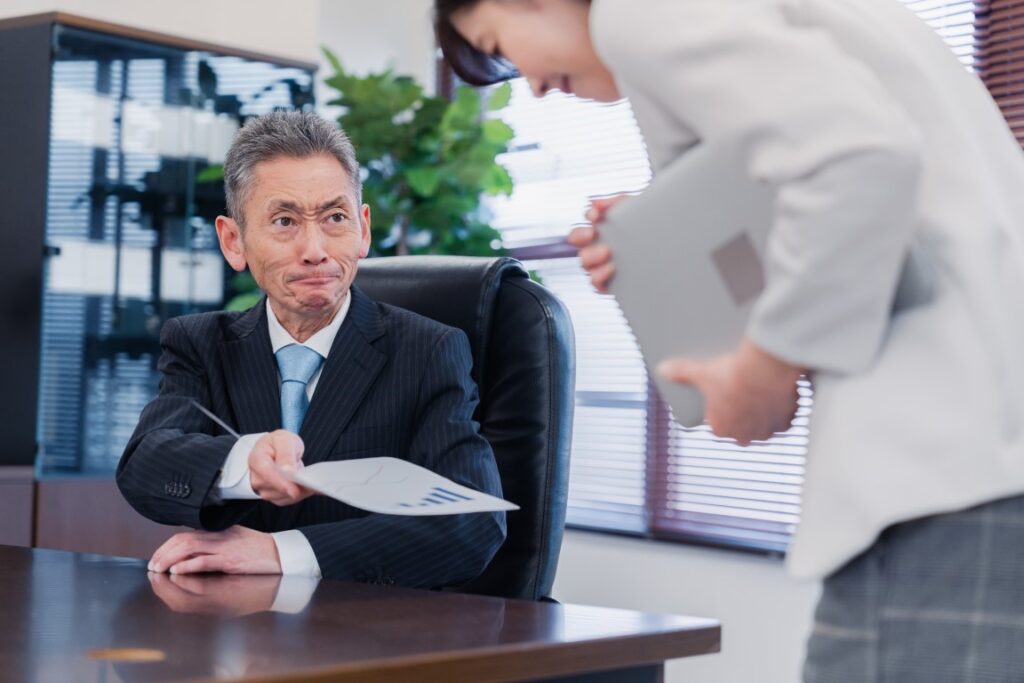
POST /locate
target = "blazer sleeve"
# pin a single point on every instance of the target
(819, 126)
(171, 464)
(426, 552)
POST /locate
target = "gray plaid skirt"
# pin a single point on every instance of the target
(934, 600)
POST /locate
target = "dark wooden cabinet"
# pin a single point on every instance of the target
(17, 489)
(111, 139)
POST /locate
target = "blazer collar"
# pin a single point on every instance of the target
(363, 312)
(356, 358)
(250, 373)
(249, 321)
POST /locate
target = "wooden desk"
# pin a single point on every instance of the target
(60, 610)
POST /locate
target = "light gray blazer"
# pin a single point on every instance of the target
(896, 263)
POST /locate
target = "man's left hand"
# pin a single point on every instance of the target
(748, 394)
(237, 550)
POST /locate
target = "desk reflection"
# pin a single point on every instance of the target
(75, 617)
(215, 595)
(222, 626)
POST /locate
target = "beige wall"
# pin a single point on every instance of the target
(286, 29)
(370, 35)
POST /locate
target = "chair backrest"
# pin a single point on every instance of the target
(524, 365)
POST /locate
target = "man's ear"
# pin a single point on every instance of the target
(364, 219)
(229, 233)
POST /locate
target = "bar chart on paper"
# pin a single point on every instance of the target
(439, 496)
(396, 487)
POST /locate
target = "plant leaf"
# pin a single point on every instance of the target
(333, 59)
(500, 97)
(243, 302)
(497, 132)
(424, 180)
(210, 174)
(497, 180)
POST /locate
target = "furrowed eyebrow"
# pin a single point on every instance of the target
(337, 201)
(287, 205)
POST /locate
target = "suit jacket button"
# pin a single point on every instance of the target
(186, 491)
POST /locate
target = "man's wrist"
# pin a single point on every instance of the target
(234, 483)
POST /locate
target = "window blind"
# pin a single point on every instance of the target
(566, 151)
(999, 42)
(633, 468)
(707, 489)
(953, 20)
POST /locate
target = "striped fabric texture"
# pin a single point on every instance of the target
(395, 384)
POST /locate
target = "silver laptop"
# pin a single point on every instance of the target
(688, 256)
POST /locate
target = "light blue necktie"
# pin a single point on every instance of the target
(297, 364)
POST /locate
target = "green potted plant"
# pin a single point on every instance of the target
(426, 161)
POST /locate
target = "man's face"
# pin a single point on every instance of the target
(303, 237)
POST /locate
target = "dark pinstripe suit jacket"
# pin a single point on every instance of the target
(395, 384)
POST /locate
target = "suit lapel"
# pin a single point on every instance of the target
(349, 372)
(250, 373)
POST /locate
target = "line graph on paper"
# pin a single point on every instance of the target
(397, 487)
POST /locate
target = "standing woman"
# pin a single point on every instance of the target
(895, 281)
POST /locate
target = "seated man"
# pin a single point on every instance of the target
(316, 372)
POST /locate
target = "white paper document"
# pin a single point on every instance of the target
(395, 487)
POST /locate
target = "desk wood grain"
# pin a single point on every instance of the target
(62, 610)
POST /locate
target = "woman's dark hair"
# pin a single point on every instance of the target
(468, 63)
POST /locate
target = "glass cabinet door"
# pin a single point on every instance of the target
(137, 134)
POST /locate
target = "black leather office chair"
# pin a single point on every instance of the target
(524, 365)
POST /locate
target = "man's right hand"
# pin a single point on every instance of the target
(595, 256)
(275, 455)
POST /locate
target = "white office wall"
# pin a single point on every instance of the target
(370, 35)
(765, 615)
(285, 29)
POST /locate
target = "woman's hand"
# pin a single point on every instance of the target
(749, 395)
(596, 257)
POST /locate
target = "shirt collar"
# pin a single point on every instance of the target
(320, 342)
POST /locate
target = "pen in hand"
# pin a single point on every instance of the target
(216, 419)
(223, 425)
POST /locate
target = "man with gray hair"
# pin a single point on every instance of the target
(316, 371)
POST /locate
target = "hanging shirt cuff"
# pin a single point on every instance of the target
(234, 475)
